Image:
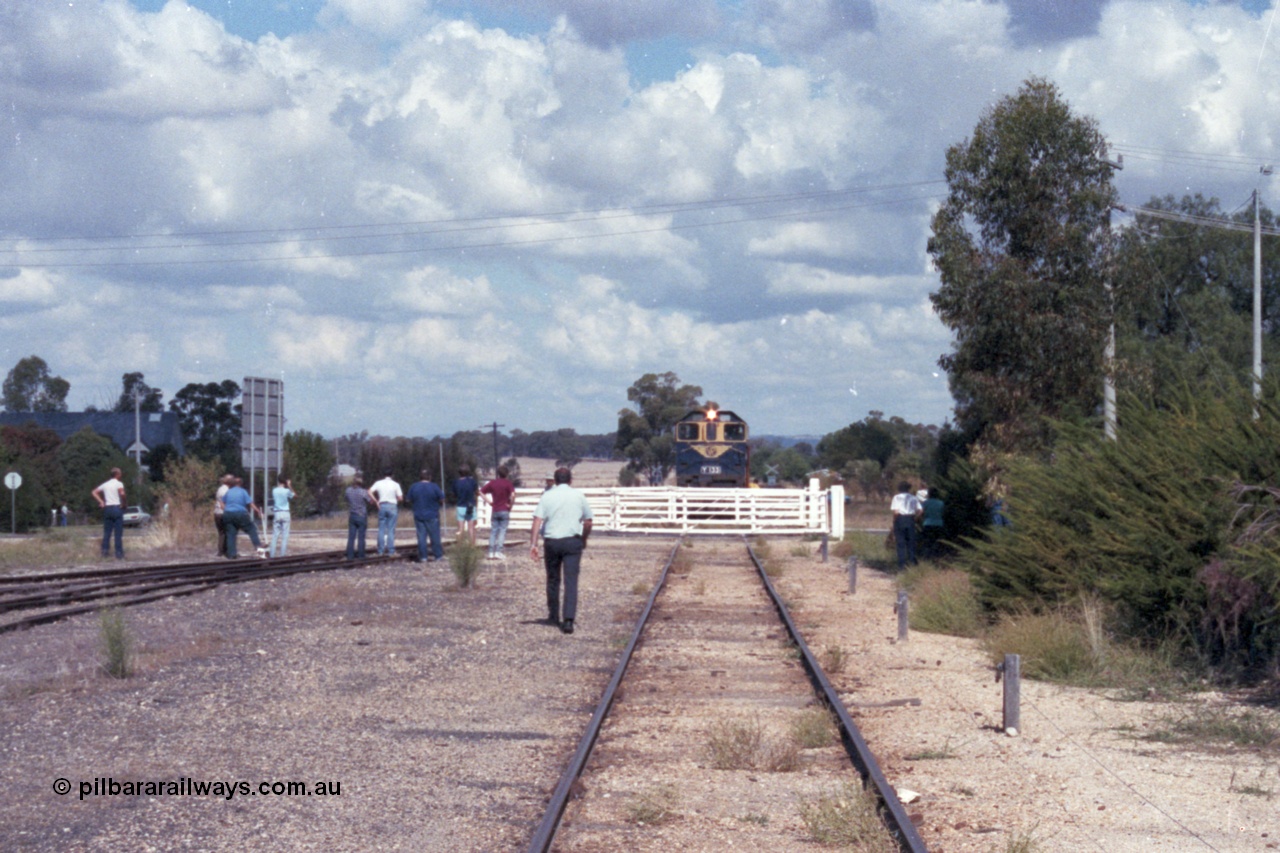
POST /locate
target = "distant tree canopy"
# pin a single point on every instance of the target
(308, 462)
(644, 433)
(210, 419)
(1019, 246)
(1184, 297)
(149, 399)
(30, 387)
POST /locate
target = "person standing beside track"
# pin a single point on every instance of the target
(464, 489)
(905, 507)
(358, 503)
(225, 482)
(426, 498)
(389, 496)
(110, 497)
(563, 516)
(501, 493)
(238, 510)
(280, 497)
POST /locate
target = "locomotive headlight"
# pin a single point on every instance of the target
(712, 414)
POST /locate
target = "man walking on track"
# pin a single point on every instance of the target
(563, 517)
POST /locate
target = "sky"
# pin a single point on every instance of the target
(427, 216)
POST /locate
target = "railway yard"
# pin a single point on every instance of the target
(447, 716)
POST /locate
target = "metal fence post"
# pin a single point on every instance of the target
(824, 547)
(1011, 670)
(853, 575)
(901, 608)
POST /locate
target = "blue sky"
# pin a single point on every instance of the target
(429, 216)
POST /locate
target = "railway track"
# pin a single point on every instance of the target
(37, 600)
(714, 655)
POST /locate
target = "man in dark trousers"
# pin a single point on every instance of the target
(426, 498)
(563, 517)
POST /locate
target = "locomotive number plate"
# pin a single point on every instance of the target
(711, 469)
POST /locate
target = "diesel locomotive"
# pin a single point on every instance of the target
(711, 450)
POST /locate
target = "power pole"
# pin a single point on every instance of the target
(494, 426)
(1257, 298)
(1109, 354)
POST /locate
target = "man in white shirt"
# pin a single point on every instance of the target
(110, 497)
(906, 509)
(389, 497)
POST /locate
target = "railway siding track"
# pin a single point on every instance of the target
(702, 746)
(32, 600)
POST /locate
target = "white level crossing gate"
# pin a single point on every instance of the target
(669, 509)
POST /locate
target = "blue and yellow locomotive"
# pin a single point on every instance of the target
(711, 450)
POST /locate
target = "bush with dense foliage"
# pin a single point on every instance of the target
(1150, 524)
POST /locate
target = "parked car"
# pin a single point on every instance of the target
(134, 516)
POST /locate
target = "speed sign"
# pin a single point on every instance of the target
(13, 480)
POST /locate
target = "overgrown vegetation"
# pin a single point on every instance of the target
(1223, 726)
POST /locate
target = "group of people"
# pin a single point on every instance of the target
(909, 509)
(561, 521)
(427, 500)
(234, 511)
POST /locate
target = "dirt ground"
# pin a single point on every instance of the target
(446, 716)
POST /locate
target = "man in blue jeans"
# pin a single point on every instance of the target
(426, 499)
(110, 497)
(389, 497)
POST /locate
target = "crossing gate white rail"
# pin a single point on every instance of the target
(670, 509)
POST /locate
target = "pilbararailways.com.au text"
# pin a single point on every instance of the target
(188, 787)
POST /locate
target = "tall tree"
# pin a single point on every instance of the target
(210, 419)
(309, 460)
(149, 399)
(1184, 293)
(1019, 246)
(29, 387)
(644, 433)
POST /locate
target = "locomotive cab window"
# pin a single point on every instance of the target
(688, 432)
(734, 432)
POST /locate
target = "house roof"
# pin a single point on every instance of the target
(157, 428)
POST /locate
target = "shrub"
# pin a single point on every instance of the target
(464, 559)
(116, 643)
(1137, 520)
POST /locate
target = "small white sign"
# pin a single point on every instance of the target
(13, 480)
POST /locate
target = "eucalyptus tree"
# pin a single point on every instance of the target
(1019, 245)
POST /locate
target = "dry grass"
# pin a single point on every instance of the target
(847, 818)
(744, 744)
(654, 806)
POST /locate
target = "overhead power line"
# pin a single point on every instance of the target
(815, 205)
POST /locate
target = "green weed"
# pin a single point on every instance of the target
(848, 818)
(116, 643)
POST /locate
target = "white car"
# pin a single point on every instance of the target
(134, 516)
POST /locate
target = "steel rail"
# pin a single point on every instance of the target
(900, 823)
(545, 834)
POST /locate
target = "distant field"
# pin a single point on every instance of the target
(587, 473)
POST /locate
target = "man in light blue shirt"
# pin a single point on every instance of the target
(280, 497)
(563, 517)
